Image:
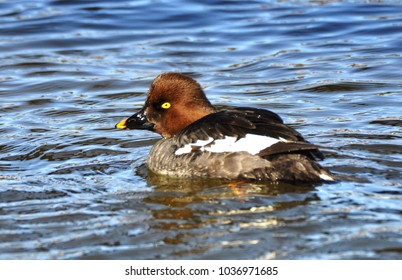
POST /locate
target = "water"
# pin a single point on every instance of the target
(73, 187)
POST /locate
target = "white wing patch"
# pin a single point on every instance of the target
(186, 149)
(251, 143)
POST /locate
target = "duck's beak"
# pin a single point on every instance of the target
(121, 124)
(136, 121)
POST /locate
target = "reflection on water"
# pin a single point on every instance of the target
(208, 219)
(73, 187)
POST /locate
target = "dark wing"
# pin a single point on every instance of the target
(240, 121)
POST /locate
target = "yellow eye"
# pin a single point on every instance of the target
(166, 105)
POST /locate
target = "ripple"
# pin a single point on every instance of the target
(388, 122)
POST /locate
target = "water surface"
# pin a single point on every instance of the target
(73, 187)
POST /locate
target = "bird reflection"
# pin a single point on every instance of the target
(201, 214)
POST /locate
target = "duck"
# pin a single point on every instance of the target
(240, 143)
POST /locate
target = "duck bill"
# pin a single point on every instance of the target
(136, 121)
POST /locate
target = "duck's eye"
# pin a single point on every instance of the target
(166, 105)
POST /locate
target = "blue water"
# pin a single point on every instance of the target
(74, 187)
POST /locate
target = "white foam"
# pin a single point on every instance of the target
(326, 177)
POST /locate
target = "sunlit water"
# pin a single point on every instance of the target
(73, 187)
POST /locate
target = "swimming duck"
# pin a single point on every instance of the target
(199, 141)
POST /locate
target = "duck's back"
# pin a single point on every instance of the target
(240, 143)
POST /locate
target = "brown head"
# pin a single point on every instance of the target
(173, 102)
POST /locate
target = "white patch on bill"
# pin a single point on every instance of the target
(251, 143)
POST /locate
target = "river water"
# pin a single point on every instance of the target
(74, 187)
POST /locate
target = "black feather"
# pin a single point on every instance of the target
(240, 121)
